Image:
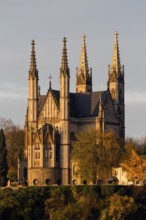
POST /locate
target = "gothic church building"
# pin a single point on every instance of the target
(53, 119)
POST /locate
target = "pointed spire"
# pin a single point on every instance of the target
(116, 64)
(64, 64)
(83, 73)
(83, 58)
(33, 66)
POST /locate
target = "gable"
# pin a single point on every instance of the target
(48, 105)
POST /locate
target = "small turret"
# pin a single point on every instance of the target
(83, 74)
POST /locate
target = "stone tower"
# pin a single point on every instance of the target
(83, 74)
(33, 90)
(64, 117)
(32, 111)
(116, 85)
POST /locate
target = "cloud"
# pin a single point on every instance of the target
(135, 97)
(12, 91)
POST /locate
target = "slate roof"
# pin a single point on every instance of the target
(41, 100)
(57, 95)
(82, 105)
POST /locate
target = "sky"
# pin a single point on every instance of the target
(47, 22)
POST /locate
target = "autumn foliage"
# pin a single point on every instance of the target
(100, 202)
(132, 163)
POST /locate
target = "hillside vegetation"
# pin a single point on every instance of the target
(103, 202)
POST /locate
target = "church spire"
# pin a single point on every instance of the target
(33, 67)
(83, 59)
(84, 75)
(116, 64)
(116, 71)
(64, 64)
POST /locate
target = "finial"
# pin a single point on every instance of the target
(33, 58)
(50, 78)
(116, 33)
(83, 36)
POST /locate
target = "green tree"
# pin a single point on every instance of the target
(96, 153)
(3, 160)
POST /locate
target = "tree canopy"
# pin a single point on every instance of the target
(96, 153)
(14, 135)
(132, 163)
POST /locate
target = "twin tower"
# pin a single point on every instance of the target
(53, 119)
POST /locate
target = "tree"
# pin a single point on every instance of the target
(110, 149)
(132, 163)
(95, 152)
(6, 123)
(3, 160)
(15, 144)
(121, 207)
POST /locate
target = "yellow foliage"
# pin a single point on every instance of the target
(132, 163)
(121, 206)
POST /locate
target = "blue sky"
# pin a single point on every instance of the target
(48, 22)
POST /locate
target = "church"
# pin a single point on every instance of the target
(54, 118)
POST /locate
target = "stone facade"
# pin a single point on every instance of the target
(53, 119)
